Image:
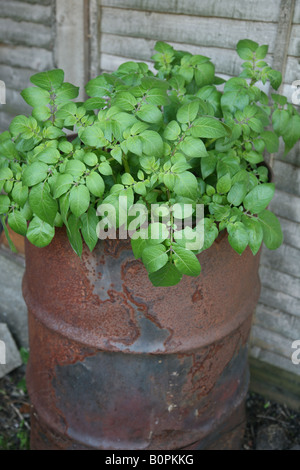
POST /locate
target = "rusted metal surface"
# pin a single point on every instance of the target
(118, 364)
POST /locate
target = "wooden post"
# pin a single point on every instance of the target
(72, 42)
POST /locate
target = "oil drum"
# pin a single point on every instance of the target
(116, 363)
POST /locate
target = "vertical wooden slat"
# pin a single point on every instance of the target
(94, 38)
(72, 41)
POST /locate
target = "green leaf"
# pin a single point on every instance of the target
(154, 257)
(157, 233)
(89, 228)
(167, 276)
(116, 153)
(259, 198)
(62, 185)
(105, 169)
(150, 113)
(245, 48)
(97, 87)
(41, 113)
(280, 119)
(186, 185)
(275, 78)
(152, 143)
(138, 245)
(94, 103)
(188, 112)
(40, 233)
(291, 133)
(272, 233)
(208, 165)
(255, 233)
(90, 159)
(24, 126)
(17, 223)
(224, 184)
(48, 80)
(271, 140)
(194, 148)
(5, 174)
(204, 74)
(157, 97)
(134, 145)
(261, 52)
(4, 204)
(36, 97)
(185, 261)
(35, 173)
(172, 131)
(93, 136)
(238, 237)
(75, 168)
(208, 127)
(52, 132)
(125, 101)
(237, 193)
(65, 93)
(74, 235)
(42, 203)
(20, 194)
(256, 125)
(95, 184)
(79, 200)
(49, 155)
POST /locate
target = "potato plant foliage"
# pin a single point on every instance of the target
(178, 136)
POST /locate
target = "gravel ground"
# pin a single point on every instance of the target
(270, 425)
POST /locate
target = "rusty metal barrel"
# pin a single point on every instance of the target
(116, 363)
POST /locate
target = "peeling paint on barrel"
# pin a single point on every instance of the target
(118, 364)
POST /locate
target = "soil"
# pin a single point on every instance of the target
(270, 425)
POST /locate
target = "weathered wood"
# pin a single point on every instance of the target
(33, 58)
(112, 62)
(287, 177)
(254, 10)
(291, 231)
(280, 322)
(270, 341)
(280, 300)
(94, 38)
(294, 41)
(41, 2)
(27, 34)
(212, 32)
(276, 360)
(296, 19)
(275, 383)
(277, 280)
(21, 11)
(286, 259)
(15, 103)
(226, 60)
(15, 78)
(292, 157)
(283, 36)
(292, 71)
(71, 41)
(286, 205)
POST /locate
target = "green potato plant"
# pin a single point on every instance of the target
(179, 136)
